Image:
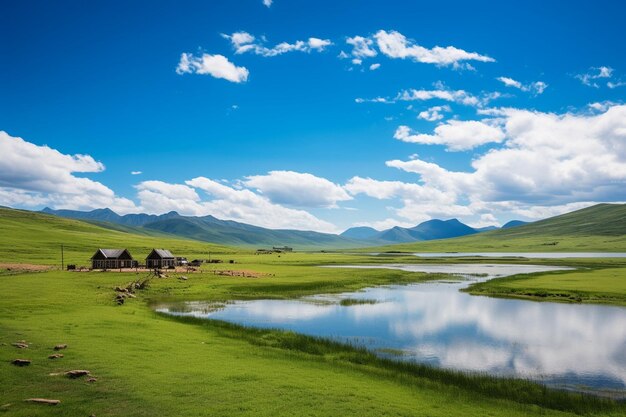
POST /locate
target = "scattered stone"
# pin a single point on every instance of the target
(55, 356)
(5, 407)
(129, 295)
(121, 289)
(183, 278)
(43, 401)
(92, 379)
(60, 347)
(21, 362)
(76, 373)
(20, 345)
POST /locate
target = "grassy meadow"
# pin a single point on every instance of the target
(600, 285)
(148, 364)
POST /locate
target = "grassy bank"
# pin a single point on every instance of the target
(600, 283)
(147, 364)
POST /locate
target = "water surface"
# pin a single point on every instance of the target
(571, 346)
(537, 255)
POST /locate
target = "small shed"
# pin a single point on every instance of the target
(160, 258)
(112, 259)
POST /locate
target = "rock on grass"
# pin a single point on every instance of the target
(43, 401)
(21, 362)
(77, 373)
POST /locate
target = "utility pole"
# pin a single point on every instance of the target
(62, 260)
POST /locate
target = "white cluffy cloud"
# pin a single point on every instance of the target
(244, 42)
(217, 66)
(298, 189)
(267, 3)
(395, 45)
(136, 172)
(33, 175)
(547, 160)
(456, 135)
(537, 87)
(225, 202)
(433, 114)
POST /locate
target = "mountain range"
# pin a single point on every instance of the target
(228, 232)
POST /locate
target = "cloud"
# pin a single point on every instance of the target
(418, 202)
(456, 96)
(455, 135)
(32, 175)
(267, 3)
(374, 100)
(385, 224)
(440, 92)
(244, 42)
(217, 66)
(361, 47)
(224, 202)
(433, 114)
(590, 77)
(601, 106)
(617, 84)
(298, 189)
(136, 172)
(249, 207)
(537, 87)
(395, 45)
(374, 67)
(547, 160)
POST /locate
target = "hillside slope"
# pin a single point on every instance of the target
(598, 228)
(36, 238)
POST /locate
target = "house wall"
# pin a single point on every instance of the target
(111, 263)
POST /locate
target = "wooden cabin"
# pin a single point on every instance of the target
(112, 259)
(160, 258)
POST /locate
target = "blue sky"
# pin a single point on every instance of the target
(466, 109)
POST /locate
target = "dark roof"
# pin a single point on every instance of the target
(111, 253)
(163, 253)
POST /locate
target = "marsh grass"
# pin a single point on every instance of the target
(410, 373)
(346, 302)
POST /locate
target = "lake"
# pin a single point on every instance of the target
(537, 255)
(569, 346)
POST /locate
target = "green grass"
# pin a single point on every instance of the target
(603, 285)
(346, 302)
(148, 364)
(36, 238)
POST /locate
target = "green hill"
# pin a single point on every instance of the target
(598, 228)
(36, 238)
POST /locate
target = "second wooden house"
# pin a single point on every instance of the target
(160, 258)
